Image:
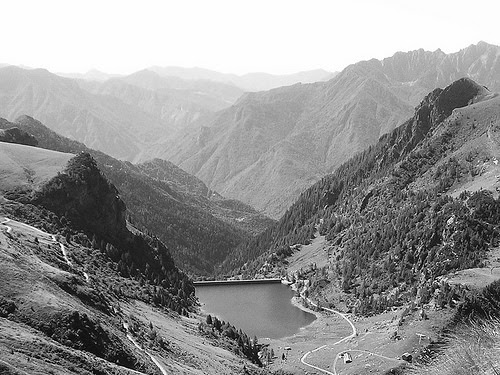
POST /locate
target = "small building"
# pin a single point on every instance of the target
(407, 357)
(346, 356)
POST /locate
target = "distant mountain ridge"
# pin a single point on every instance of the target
(267, 147)
(91, 75)
(115, 116)
(270, 146)
(248, 82)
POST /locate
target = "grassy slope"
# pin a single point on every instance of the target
(40, 293)
(31, 277)
(30, 169)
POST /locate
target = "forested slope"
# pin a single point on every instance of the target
(389, 212)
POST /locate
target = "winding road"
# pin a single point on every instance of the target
(353, 334)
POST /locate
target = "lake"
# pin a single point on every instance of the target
(263, 310)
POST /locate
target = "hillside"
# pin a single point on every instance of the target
(199, 234)
(196, 193)
(19, 168)
(84, 292)
(270, 146)
(15, 135)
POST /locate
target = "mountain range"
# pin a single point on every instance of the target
(264, 149)
(270, 146)
(247, 82)
(405, 221)
(396, 178)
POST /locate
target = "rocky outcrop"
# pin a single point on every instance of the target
(86, 198)
(435, 107)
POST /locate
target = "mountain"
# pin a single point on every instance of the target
(420, 204)
(211, 95)
(101, 122)
(197, 194)
(247, 82)
(175, 103)
(120, 117)
(270, 146)
(411, 225)
(84, 292)
(199, 231)
(91, 75)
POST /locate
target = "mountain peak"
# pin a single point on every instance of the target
(459, 94)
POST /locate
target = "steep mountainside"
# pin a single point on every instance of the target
(199, 234)
(84, 292)
(396, 216)
(270, 146)
(247, 82)
(196, 193)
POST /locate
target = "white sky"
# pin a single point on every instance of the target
(234, 36)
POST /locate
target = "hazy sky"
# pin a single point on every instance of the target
(233, 36)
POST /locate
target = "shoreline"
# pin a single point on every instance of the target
(297, 302)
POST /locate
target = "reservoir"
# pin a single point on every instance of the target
(262, 310)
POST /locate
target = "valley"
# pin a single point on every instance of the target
(373, 193)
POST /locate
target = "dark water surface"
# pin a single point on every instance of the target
(263, 310)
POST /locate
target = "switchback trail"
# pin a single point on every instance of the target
(41, 233)
(155, 361)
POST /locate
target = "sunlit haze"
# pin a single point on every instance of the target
(278, 36)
